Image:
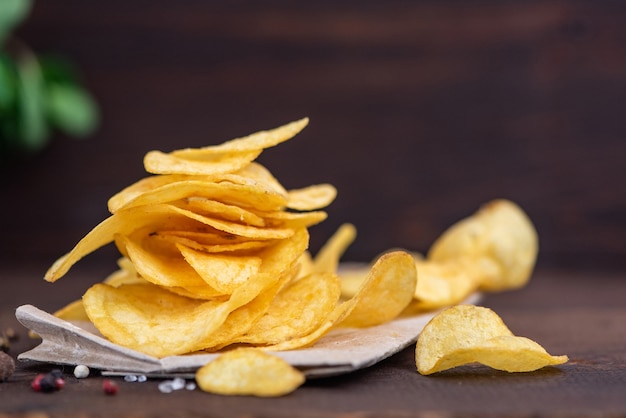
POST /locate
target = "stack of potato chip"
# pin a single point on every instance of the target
(215, 253)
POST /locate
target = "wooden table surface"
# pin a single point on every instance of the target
(581, 314)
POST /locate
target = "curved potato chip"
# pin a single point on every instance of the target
(123, 223)
(234, 228)
(386, 292)
(158, 322)
(157, 162)
(499, 239)
(166, 269)
(297, 310)
(249, 371)
(393, 276)
(292, 220)
(258, 172)
(253, 142)
(241, 319)
(327, 258)
(148, 318)
(174, 238)
(243, 195)
(224, 273)
(466, 333)
(443, 284)
(310, 198)
(213, 208)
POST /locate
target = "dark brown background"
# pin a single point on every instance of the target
(420, 111)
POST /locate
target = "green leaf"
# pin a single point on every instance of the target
(33, 127)
(7, 83)
(12, 12)
(71, 109)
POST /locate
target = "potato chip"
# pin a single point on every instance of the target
(166, 268)
(241, 195)
(212, 208)
(443, 284)
(389, 287)
(157, 162)
(158, 322)
(123, 223)
(465, 334)
(228, 157)
(297, 310)
(312, 197)
(223, 273)
(243, 318)
(249, 371)
(499, 240)
(236, 246)
(285, 219)
(253, 142)
(386, 292)
(327, 258)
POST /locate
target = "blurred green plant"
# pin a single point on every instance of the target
(38, 94)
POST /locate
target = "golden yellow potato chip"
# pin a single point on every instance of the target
(285, 219)
(443, 284)
(259, 173)
(212, 208)
(253, 142)
(249, 371)
(157, 162)
(158, 322)
(242, 195)
(327, 258)
(297, 310)
(389, 287)
(227, 157)
(243, 318)
(122, 223)
(499, 240)
(224, 273)
(465, 334)
(312, 197)
(164, 267)
(386, 292)
(235, 247)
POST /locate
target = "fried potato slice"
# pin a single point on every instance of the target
(123, 223)
(165, 267)
(443, 284)
(387, 290)
(499, 240)
(155, 321)
(249, 371)
(327, 258)
(157, 162)
(257, 141)
(311, 198)
(227, 157)
(223, 273)
(297, 310)
(242, 195)
(465, 334)
(214, 209)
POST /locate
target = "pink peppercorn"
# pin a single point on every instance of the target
(109, 387)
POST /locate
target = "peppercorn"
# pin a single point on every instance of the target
(109, 387)
(48, 382)
(7, 366)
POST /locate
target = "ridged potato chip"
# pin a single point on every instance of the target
(465, 334)
(249, 371)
